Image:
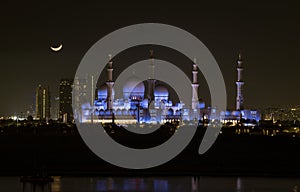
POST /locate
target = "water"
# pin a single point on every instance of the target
(156, 184)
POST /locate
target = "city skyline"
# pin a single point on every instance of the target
(266, 33)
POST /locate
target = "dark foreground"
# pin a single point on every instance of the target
(155, 184)
(50, 152)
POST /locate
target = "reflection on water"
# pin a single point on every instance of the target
(156, 184)
(34, 187)
(238, 185)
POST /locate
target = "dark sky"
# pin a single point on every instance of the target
(267, 33)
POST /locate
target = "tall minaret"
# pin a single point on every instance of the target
(195, 85)
(151, 80)
(239, 84)
(110, 84)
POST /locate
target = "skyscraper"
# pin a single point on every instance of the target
(65, 100)
(42, 103)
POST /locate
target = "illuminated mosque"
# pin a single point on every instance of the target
(149, 102)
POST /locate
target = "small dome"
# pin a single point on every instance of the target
(161, 93)
(86, 106)
(133, 87)
(145, 103)
(227, 113)
(102, 92)
(236, 113)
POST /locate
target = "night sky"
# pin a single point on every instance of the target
(266, 33)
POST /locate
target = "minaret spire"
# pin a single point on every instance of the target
(239, 84)
(110, 83)
(151, 66)
(151, 80)
(195, 85)
(240, 56)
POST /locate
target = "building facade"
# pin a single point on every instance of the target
(240, 115)
(148, 101)
(42, 103)
(65, 100)
(145, 101)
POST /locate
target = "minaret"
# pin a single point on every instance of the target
(195, 85)
(110, 84)
(239, 84)
(151, 80)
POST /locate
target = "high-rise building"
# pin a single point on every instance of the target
(65, 100)
(42, 102)
(79, 97)
(54, 107)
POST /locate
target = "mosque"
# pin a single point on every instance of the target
(148, 101)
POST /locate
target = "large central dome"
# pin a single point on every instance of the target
(133, 87)
(161, 93)
(102, 92)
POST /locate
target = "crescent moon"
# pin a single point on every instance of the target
(56, 48)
